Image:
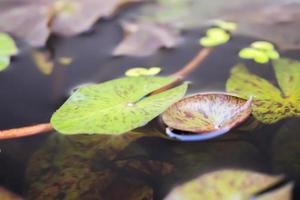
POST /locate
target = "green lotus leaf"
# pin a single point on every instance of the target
(260, 52)
(214, 37)
(116, 106)
(262, 58)
(139, 71)
(262, 45)
(224, 184)
(4, 62)
(228, 26)
(272, 54)
(270, 104)
(7, 45)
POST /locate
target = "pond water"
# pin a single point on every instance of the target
(140, 164)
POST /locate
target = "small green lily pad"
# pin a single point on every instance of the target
(226, 25)
(139, 71)
(7, 45)
(206, 115)
(214, 37)
(116, 106)
(4, 62)
(260, 52)
(263, 45)
(270, 104)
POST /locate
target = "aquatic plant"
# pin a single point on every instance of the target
(8, 48)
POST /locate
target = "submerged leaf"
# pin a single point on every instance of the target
(143, 39)
(116, 106)
(206, 114)
(139, 71)
(224, 184)
(270, 104)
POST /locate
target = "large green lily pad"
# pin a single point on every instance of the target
(116, 106)
(270, 104)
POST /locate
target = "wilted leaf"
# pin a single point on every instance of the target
(224, 184)
(76, 16)
(270, 104)
(206, 115)
(139, 71)
(33, 20)
(143, 39)
(275, 21)
(116, 106)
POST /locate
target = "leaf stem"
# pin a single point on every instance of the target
(47, 127)
(185, 70)
(25, 131)
(193, 64)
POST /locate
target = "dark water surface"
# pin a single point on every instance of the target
(52, 166)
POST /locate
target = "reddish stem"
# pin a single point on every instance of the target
(25, 131)
(47, 127)
(185, 70)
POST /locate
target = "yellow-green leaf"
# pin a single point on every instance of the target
(116, 106)
(214, 37)
(270, 104)
(4, 62)
(7, 45)
(139, 71)
(224, 184)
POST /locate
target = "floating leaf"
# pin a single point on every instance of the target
(33, 20)
(43, 62)
(7, 45)
(206, 114)
(226, 25)
(270, 104)
(116, 106)
(260, 51)
(4, 62)
(65, 60)
(143, 39)
(224, 184)
(139, 71)
(214, 37)
(263, 45)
